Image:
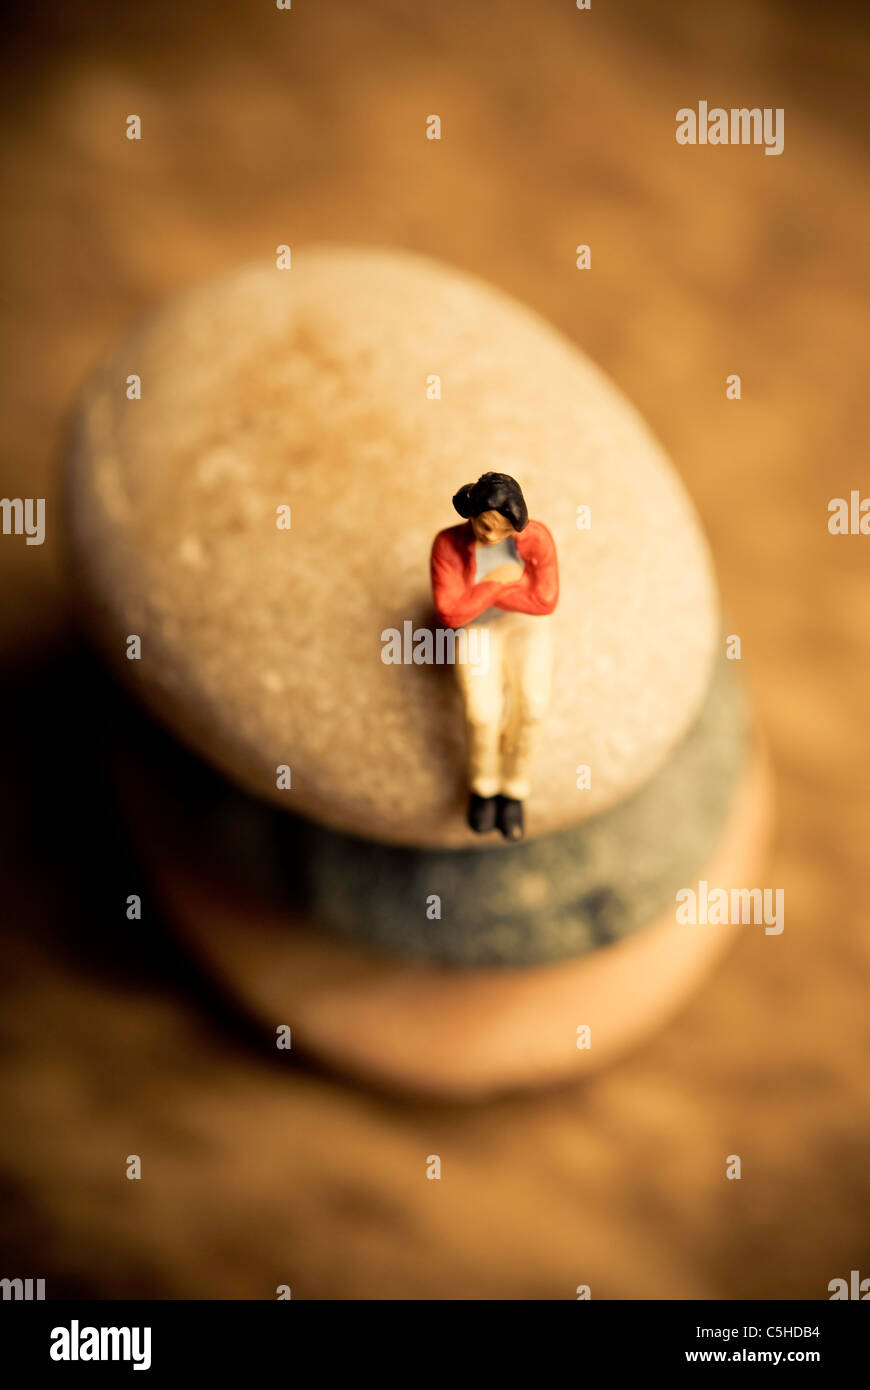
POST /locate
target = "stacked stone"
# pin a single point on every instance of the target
(259, 516)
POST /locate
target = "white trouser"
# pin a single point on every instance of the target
(505, 701)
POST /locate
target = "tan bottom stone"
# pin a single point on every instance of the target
(462, 1034)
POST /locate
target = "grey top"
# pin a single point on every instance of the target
(489, 557)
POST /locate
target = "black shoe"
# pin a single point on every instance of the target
(509, 816)
(482, 813)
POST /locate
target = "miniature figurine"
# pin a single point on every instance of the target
(499, 570)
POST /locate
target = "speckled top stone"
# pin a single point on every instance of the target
(262, 647)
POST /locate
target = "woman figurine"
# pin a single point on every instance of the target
(498, 570)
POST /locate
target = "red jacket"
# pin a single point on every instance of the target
(459, 599)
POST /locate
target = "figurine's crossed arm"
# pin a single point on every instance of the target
(537, 591)
(458, 602)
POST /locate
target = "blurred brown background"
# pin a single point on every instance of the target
(261, 127)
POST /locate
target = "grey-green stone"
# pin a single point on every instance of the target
(548, 899)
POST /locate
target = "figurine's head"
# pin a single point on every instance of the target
(495, 506)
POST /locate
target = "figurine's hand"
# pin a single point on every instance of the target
(509, 573)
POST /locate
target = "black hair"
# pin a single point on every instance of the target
(493, 492)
